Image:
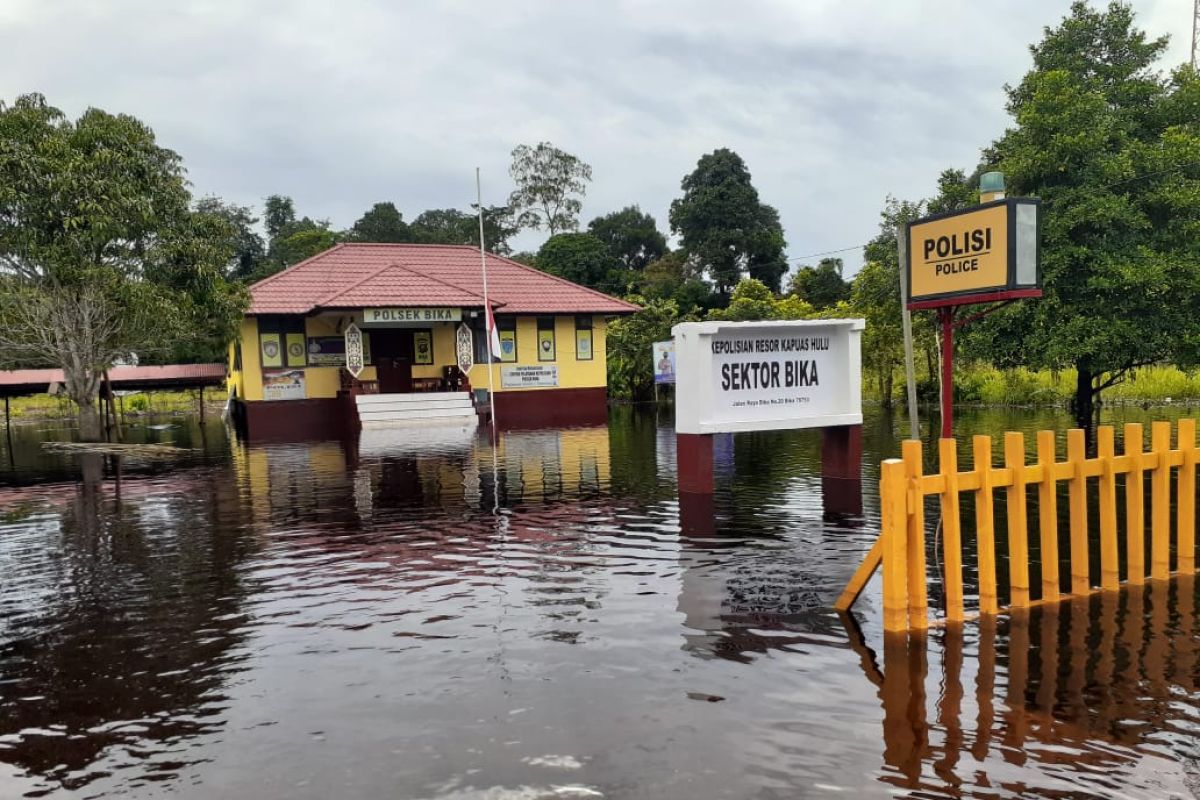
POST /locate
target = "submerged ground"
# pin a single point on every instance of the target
(434, 619)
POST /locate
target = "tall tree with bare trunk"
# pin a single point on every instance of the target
(101, 253)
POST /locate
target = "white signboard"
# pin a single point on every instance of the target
(409, 316)
(354, 350)
(284, 384)
(758, 376)
(464, 348)
(526, 377)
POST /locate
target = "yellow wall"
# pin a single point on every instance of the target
(572, 374)
(324, 382)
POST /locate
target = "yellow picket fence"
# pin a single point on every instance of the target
(903, 488)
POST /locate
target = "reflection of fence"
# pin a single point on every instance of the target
(1083, 684)
(903, 487)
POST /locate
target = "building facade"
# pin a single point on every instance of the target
(418, 307)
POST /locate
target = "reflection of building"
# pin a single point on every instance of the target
(420, 309)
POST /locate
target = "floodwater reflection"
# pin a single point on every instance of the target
(433, 618)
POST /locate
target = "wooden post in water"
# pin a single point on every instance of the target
(1018, 541)
(1160, 502)
(918, 593)
(1110, 569)
(202, 404)
(951, 530)
(985, 534)
(1135, 512)
(1077, 499)
(1048, 516)
(1186, 502)
(894, 508)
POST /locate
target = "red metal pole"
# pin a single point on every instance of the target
(947, 319)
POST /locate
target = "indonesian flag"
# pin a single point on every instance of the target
(493, 335)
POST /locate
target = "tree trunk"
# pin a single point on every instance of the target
(1083, 403)
(886, 384)
(90, 429)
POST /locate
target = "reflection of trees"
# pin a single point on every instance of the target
(1089, 688)
(120, 634)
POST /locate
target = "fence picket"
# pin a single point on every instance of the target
(951, 530)
(1160, 502)
(1048, 516)
(1077, 499)
(1186, 500)
(1018, 536)
(1110, 569)
(985, 534)
(894, 505)
(918, 593)
(1135, 508)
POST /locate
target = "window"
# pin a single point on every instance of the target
(282, 342)
(583, 338)
(545, 331)
(506, 329)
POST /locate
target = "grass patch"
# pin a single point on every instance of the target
(45, 406)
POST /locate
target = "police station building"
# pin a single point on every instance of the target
(415, 313)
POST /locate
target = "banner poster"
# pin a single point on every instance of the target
(664, 362)
(272, 350)
(583, 344)
(295, 350)
(508, 345)
(423, 347)
(285, 384)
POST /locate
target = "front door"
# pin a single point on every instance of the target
(393, 354)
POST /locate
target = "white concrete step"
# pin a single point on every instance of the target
(464, 405)
(411, 397)
(418, 413)
(432, 425)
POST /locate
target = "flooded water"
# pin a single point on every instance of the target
(432, 618)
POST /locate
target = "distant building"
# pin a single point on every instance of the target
(417, 306)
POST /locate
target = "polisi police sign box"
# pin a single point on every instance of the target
(971, 255)
(757, 376)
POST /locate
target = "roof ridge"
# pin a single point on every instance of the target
(572, 284)
(341, 291)
(297, 265)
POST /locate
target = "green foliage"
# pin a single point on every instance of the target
(291, 240)
(822, 286)
(451, 226)
(382, 223)
(752, 300)
(244, 242)
(550, 183)
(100, 252)
(631, 236)
(725, 227)
(1112, 149)
(676, 277)
(583, 259)
(629, 351)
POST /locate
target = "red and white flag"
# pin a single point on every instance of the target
(493, 334)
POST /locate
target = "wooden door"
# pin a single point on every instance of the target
(394, 361)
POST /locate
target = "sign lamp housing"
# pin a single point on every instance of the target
(980, 254)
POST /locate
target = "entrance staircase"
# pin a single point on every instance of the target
(426, 409)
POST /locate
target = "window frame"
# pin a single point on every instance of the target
(547, 324)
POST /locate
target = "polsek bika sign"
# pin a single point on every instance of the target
(757, 376)
(983, 253)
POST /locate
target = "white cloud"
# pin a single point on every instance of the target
(833, 105)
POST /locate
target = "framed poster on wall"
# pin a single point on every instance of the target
(423, 347)
(272, 349)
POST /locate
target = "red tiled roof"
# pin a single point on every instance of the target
(147, 374)
(372, 275)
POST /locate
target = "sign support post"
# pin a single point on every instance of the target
(946, 317)
(910, 372)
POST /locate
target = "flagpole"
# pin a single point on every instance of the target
(488, 320)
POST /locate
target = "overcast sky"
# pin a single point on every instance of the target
(343, 103)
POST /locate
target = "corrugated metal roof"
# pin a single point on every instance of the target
(369, 275)
(164, 372)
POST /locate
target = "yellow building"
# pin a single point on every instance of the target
(418, 311)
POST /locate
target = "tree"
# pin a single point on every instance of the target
(100, 253)
(752, 300)
(628, 345)
(279, 213)
(291, 240)
(822, 285)
(451, 226)
(1112, 149)
(583, 259)
(246, 244)
(631, 236)
(383, 223)
(724, 226)
(550, 183)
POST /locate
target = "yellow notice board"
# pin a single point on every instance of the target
(297, 349)
(988, 249)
